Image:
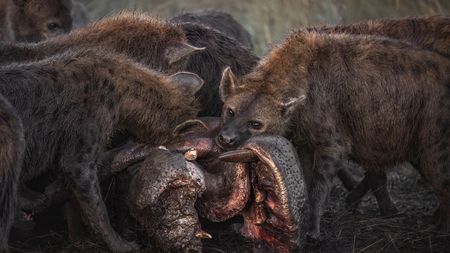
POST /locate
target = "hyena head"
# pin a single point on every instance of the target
(160, 106)
(36, 20)
(250, 110)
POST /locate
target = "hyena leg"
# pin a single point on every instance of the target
(326, 162)
(86, 188)
(434, 165)
(378, 184)
(354, 197)
(348, 180)
(75, 226)
(123, 218)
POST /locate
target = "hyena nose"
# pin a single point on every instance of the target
(227, 139)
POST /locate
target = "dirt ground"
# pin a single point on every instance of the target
(342, 230)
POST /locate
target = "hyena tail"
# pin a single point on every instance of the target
(12, 146)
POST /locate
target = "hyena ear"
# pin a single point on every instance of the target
(180, 51)
(290, 102)
(228, 84)
(188, 81)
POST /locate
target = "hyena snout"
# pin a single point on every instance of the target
(228, 139)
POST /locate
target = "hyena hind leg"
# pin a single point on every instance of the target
(86, 189)
(434, 165)
(348, 180)
(377, 183)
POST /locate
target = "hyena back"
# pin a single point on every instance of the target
(373, 100)
(12, 146)
(74, 104)
(428, 32)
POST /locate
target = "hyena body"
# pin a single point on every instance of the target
(155, 43)
(32, 21)
(373, 100)
(72, 104)
(220, 21)
(220, 51)
(12, 146)
(428, 32)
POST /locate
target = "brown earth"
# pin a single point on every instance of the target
(342, 230)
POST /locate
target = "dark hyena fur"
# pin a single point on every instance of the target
(32, 21)
(158, 44)
(71, 105)
(12, 145)
(220, 21)
(374, 100)
(155, 43)
(428, 32)
(220, 51)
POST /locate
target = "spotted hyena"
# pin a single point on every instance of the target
(155, 43)
(72, 104)
(371, 99)
(32, 21)
(12, 146)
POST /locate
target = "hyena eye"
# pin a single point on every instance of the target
(255, 125)
(230, 112)
(53, 27)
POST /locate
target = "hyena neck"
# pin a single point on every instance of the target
(285, 68)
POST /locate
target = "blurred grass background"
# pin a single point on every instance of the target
(269, 20)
